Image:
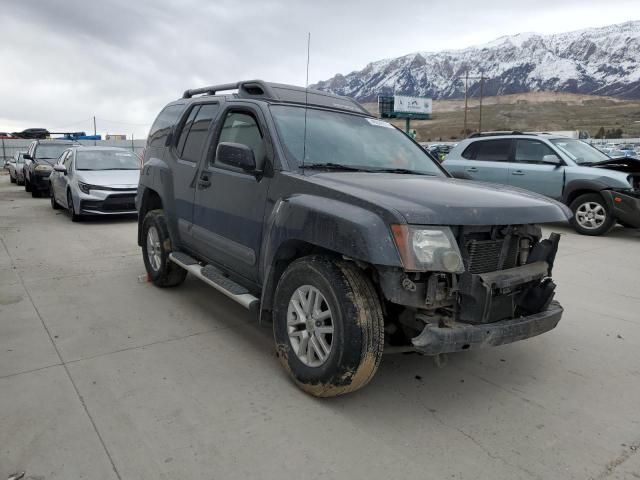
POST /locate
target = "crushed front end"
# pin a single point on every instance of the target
(498, 290)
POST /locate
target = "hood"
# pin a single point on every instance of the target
(623, 164)
(424, 200)
(110, 178)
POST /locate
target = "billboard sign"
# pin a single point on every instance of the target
(419, 105)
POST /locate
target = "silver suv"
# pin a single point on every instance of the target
(600, 191)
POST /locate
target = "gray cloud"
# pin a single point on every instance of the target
(64, 62)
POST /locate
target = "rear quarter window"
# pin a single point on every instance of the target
(167, 118)
(489, 150)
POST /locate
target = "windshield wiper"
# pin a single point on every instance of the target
(333, 166)
(401, 171)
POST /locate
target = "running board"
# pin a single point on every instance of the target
(215, 278)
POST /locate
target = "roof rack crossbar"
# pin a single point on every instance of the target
(240, 86)
(499, 133)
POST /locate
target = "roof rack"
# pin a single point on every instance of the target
(250, 87)
(498, 133)
(282, 93)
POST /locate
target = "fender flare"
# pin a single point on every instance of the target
(327, 225)
(595, 185)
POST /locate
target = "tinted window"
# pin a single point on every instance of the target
(162, 126)
(242, 128)
(493, 150)
(198, 132)
(532, 151)
(185, 129)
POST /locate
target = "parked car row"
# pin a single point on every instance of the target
(85, 180)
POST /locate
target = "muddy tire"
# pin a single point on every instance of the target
(591, 215)
(328, 326)
(156, 247)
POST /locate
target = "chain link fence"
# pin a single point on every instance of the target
(9, 147)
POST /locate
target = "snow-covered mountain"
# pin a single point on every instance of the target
(597, 61)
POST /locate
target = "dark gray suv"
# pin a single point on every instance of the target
(341, 230)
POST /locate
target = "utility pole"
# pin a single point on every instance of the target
(466, 88)
(94, 125)
(481, 88)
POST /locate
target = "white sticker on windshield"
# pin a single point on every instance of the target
(379, 123)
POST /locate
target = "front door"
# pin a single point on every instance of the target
(184, 153)
(528, 171)
(230, 204)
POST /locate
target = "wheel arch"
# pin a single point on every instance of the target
(150, 200)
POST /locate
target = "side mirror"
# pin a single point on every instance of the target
(236, 155)
(60, 168)
(26, 156)
(552, 159)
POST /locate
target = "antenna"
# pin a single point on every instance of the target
(306, 102)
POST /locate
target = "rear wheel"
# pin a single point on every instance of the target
(156, 247)
(328, 326)
(591, 215)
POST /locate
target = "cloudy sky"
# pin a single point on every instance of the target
(122, 60)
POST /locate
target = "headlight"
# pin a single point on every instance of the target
(427, 248)
(42, 168)
(85, 187)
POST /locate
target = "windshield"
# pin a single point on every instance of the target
(578, 151)
(50, 151)
(106, 160)
(348, 140)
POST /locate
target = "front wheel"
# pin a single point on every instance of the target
(72, 211)
(591, 215)
(27, 185)
(12, 179)
(54, 204)
(156, 248)
(328, 326)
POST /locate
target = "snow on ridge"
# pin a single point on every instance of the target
(588, 60)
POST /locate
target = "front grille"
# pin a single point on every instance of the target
(484, 255)
(113, 203)
(118, 203)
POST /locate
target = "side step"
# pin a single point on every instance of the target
(214, 277)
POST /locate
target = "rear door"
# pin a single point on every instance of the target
(230, 203)
(184, 153)
(486, 160)
(528, 171)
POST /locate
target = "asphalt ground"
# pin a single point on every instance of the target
(106, 377)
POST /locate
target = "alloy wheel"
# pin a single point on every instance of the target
(310, 326)
(153, 248)
(591, 215)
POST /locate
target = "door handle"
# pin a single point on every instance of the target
(204, 181)
(471, 169)
(517, 172)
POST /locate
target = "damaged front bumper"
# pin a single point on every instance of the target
(456, 337)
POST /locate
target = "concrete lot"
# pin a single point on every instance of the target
(103, 377)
